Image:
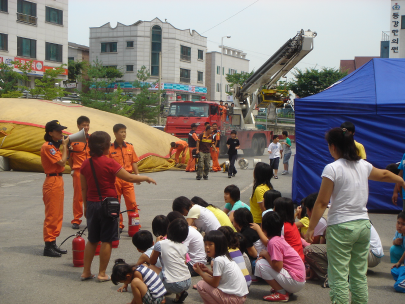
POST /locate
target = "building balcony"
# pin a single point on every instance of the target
(27, 19)
(184, 79)
(185, 57)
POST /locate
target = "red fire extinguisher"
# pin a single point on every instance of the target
(133, 223)
(78, 245)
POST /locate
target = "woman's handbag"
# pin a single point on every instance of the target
(110, 205)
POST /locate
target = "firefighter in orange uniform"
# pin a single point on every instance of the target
(53, 161)
(180, 146)
(123, 153)
(192, 144)
(215, 151)
(222, 110)
(78, 152)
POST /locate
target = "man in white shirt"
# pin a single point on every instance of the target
(275, 153)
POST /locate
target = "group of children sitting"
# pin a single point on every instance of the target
(241, 243)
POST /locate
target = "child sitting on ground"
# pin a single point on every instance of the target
(225, 283)
(232, 200)
(280, 265)
(143, 241)
(194, 244)
(268, 199)
(262, 175)
(253, 245)
(174, 274)
(146, 286)
(221, 216)
(397, 250)
(303, 223)
(234, 252)
(159, 226)
(285, 208)
(196, 215)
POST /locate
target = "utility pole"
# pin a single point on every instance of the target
(160, 86)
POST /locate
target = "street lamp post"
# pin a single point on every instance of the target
(221, 73)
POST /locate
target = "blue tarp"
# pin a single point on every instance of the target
(373, 98)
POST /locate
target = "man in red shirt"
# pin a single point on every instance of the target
(123, 153)
(204, 144)
(78, 152)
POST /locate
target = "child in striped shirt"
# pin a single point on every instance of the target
(146, 285)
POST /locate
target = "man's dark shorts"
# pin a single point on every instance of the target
(274, 162)
(100, 227)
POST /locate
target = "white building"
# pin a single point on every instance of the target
(129, 47)
(77, 52)
(233, 61)
(34, 31)
(396, 42)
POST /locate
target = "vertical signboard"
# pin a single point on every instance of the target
(396, 11)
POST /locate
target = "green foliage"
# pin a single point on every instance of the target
(146, 102)
(237, 78)
(103, 95)
(9, 78)
(313, 81)
(46, 85)
(75, 69)
(11, 94)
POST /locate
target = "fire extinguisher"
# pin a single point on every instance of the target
(133, 223)
(78, 245)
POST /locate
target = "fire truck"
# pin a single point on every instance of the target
(257, 91)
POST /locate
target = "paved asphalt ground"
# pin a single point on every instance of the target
(28, 277)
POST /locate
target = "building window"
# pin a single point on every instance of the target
(184, 75)
(130, 68)
(218, 87)
(218, 69)
(156, 49)
(109, 47)
(71, 59)
(402, 22)
(3, 42)
(185, 53)
(130, 44)
(200, 76)
(53, 52)
(53, 15)
(26, 12)
(227, 88)
(4, 6)
(231, 71)
(26, 47)
(200, 54)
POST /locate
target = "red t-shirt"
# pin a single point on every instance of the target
(106, 169)
(293, 238)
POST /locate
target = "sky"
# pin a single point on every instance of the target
(345, 29)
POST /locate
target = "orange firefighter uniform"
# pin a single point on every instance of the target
(126, 157)
(181, 146)
(215, 152)
(224, 113)
(52, 190)
(192, 144)
(79, 151)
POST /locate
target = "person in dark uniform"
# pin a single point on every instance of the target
(53, 161)
(233, 146)
(192, 144)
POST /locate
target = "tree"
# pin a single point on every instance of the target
(9, 78)
(237, 78)
(75, 69)
(146, 103)
(47, 85)
(312, 81)
(104, 93)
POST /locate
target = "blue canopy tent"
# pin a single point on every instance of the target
(373, 98)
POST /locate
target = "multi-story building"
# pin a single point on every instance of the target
(129, 47)
(34, 31)
(77, 52)
(233, 61)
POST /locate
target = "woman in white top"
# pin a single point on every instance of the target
(196, 215)
(226, 282)
(345, 185)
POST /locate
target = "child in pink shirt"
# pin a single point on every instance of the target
(280, 265)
